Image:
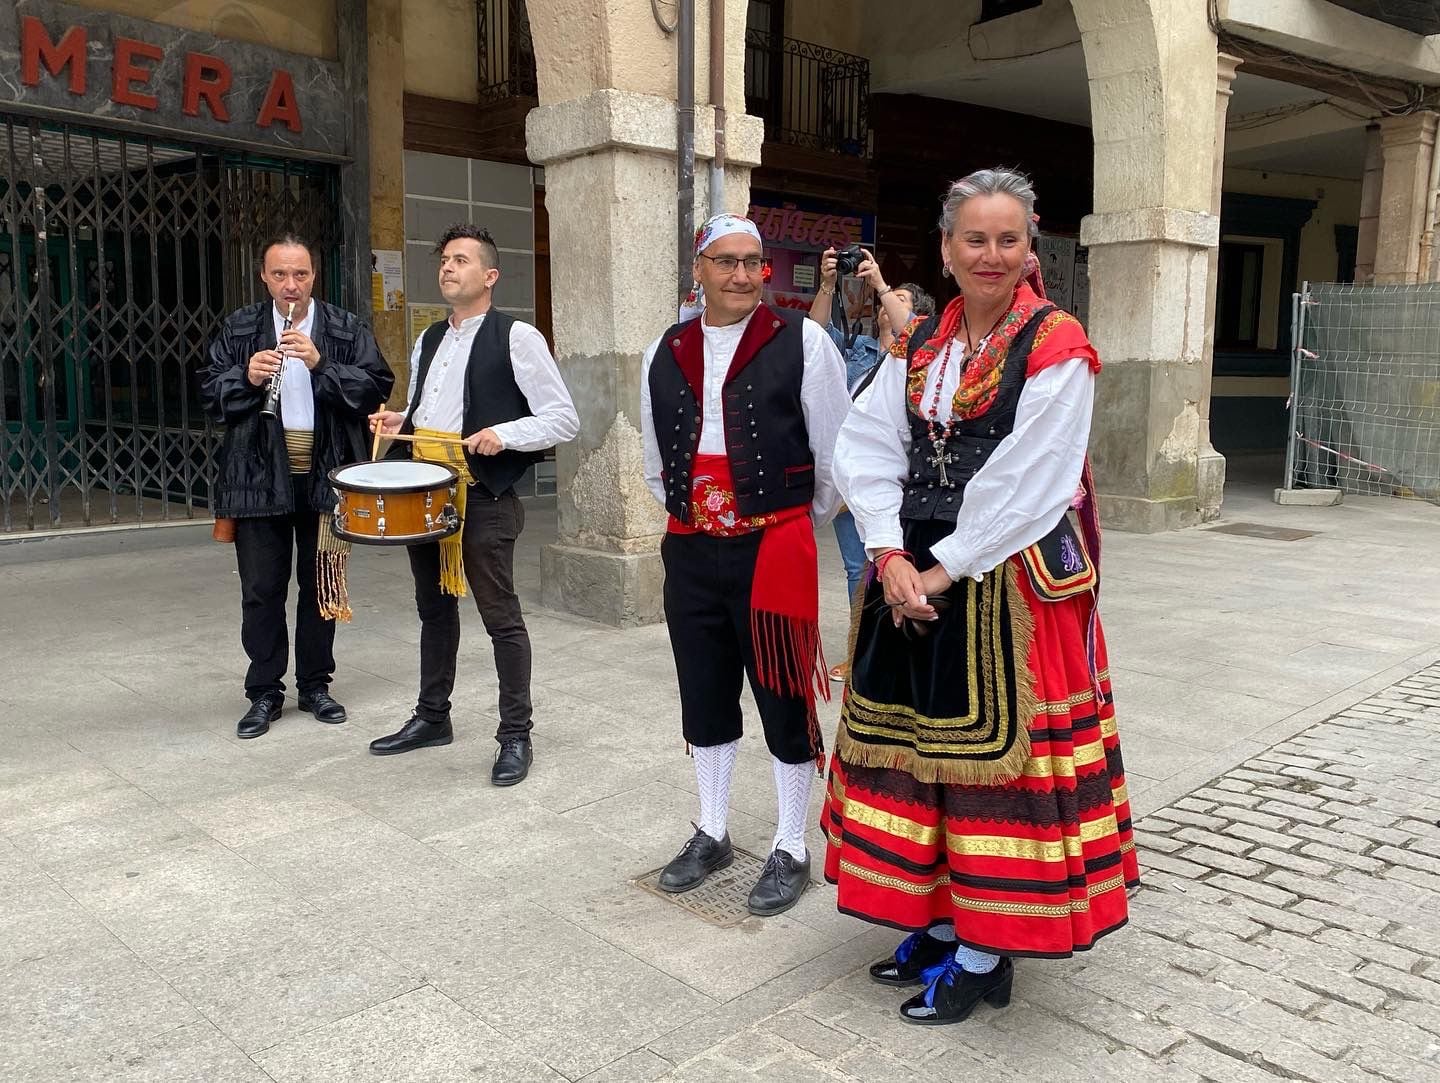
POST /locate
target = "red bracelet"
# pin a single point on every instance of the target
(884, 558)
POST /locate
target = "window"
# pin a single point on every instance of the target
(1241, 278)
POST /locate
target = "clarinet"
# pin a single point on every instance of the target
(272, 388)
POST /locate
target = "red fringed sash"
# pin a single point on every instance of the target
(784, 595)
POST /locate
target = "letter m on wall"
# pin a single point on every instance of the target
(36, 48)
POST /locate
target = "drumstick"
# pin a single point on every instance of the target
(428, 439)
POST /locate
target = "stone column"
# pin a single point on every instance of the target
(386, 112)
(1152, 71)
(1210, 465)
(610, 175)
(1407, 143)
(1369, 226)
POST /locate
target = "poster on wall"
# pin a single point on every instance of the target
(1057, 266)
(795, 235)
(387, 279)
(1080, 303)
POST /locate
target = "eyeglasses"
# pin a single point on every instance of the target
(727, 264)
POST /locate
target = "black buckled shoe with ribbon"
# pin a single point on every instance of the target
(916, 954)
(951, 993)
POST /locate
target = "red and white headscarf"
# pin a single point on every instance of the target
(717, 227)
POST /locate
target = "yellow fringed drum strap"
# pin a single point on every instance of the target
(435, 446)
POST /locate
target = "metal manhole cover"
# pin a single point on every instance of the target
(720, 900)
(1260, 530)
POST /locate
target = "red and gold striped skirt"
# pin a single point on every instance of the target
(1035, 867)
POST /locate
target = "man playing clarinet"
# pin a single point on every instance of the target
(277, 453)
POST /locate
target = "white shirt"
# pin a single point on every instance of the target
(442, 406)
(1012, 502)
(297, 398)
(823, 399)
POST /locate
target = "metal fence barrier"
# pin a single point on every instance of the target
(1365, 390)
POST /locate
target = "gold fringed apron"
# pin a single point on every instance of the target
(436, 446)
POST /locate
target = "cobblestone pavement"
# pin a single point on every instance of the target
(1288, 928)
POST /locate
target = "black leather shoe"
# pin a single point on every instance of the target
(263, 710)
(952, 993)
(782, 881)
(417, 733)
(512, 762)
(917, 953)
(696, 860)
(323, 706)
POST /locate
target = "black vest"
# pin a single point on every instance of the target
(765, 436)
(971, 442)
(492, 397)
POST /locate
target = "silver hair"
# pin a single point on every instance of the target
(990, 182)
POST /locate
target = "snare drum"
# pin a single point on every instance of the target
(394, 502)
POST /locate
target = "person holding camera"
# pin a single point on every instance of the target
(862, 352)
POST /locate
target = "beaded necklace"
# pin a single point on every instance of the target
(940, 435)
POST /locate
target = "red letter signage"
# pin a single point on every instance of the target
(206, 77)
(280, 103)
(36, 48)
(127, 51)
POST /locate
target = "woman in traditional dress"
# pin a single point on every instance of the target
(976, 794)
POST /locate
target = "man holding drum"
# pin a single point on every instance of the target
(489, 378)
(273, 466)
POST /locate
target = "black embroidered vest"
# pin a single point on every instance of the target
(492, 397)
(765, 436)
(931, 494)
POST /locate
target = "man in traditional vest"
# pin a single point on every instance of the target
(490, 377)
(740, 408)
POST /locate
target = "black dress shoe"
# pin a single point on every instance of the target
(916, 954)
(512, 762)
(782, 881)
(263, 710)
(417, 733)
(323, 706)
(696, 860)
(953, 993)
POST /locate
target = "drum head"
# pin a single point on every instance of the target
(393, 475)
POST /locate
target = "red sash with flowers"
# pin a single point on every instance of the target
(785, 593)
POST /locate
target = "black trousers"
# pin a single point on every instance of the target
(492, 524)
(707, 607)
(265, 548)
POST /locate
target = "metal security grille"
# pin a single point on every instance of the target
(1365, 390)
(119, 256)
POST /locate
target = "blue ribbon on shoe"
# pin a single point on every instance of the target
(932, 976)
(907, 947)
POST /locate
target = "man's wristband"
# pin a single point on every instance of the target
(882, 293)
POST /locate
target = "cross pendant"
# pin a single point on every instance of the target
(940, 458)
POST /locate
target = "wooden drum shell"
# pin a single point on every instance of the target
(396, 502)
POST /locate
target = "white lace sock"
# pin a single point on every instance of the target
(976, 962)
(942, 931)
(714, 767)
(792, 787)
